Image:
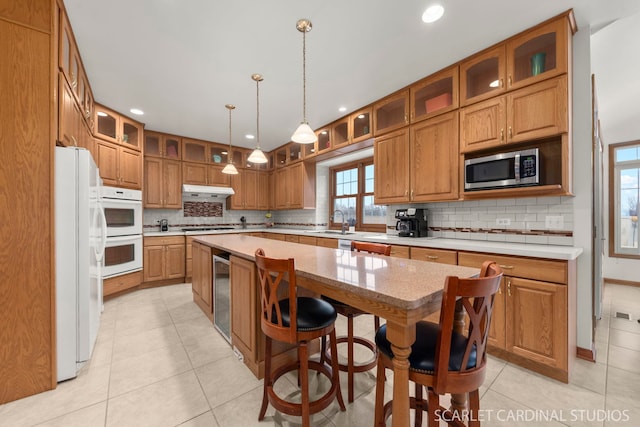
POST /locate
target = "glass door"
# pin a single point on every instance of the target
(221, 295)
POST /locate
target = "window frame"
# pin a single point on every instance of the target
(360, 165)
(614, 188)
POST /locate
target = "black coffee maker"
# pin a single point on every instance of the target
(412, 222)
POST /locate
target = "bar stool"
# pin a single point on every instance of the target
(294, 320)
(350, 313)
(444, 360)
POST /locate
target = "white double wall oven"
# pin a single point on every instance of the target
(123, 212)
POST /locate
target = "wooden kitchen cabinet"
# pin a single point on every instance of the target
(360, 125)
(119, 166)
(391, 161)
(340, 132)
(327, 242)
(163, 258)
(532, 312)
(162, 183)
(434, 159)
(400, 251)
(203, 174)
(245, 323)
(482, 76)
(162, 145)
(324, 139)
(295, 186)
(245, 186)
(442, 256)
(202, 283)
(530, 113)
(434, 95)
(419, 163)
(548, 44)
(70, 126)
(117, 128)
(391, 113)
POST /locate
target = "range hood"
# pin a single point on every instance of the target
(206, 191)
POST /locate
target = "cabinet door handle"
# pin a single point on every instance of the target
(502, 134)
(501, 82)
(413, 115)
(500, 290)
(74, 140)
(509, 287)
(510, 82)
(432, 257)
(411, 195)
(510, 132)
(406, 193)
(506, 267)
(406, 119)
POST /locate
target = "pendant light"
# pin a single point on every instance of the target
(304, 134)
(230, 169)
(257, 156)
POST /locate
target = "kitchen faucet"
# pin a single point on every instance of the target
(344, 223)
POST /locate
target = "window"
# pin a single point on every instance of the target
(624, 189)
(352, 193)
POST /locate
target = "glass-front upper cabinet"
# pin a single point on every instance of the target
(309, 150)
(391, 112)
(361, 125)
(194, 151)
(160, 145)
(436, 94)
(295, 152)
(340, 132)
(107, 123)
(324, 139)
(281, 156)
(540, 53)
(218, 153)
(117, 128)
(483, 76)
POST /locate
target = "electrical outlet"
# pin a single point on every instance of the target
(554, 222)
(503, 222)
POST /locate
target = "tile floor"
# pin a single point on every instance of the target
(159, 362)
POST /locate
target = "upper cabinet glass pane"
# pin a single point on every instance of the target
(194, 151)
(130, 134)
(361, 125)
(172, 148)
(324, 139)
(535, 56)
(107, 124)
(219, 154)
(341, 133)
(152, 145)
(437, 95)
(391, 113)
(295, 152)
(483, 77)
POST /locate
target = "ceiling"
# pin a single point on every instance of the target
(181, 61)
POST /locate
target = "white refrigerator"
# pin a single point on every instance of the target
(80, 240)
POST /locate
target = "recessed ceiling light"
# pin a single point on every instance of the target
(249, 136)
(494, 83)
(433, 13)
(102, 114)
(342, 109)
(137, 111)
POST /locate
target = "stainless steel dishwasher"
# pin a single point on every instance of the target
(221, 295)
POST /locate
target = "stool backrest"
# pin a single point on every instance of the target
(277, 280)
(476, 297)
(372, 248)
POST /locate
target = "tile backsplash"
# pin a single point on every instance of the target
(536, 220)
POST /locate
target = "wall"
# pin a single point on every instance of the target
(619, 112)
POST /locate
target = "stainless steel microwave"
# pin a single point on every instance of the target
(513, 169)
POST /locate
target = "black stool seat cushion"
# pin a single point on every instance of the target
(423, 351)
(313, 313)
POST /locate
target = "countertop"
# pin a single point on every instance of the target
(402, 283)
(503, 248)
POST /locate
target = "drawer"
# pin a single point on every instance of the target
(160, 241)
(307, 240)
(527, 268)
(442, 256)
(400, 251)
(327, 243)
(291, 238)
(274, 236)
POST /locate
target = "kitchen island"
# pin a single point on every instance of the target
(402, 291)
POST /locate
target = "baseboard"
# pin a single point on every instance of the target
(621, 282)
(586, 354)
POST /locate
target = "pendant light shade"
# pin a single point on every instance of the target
(230, 169)
(257, 156)
(304, 134)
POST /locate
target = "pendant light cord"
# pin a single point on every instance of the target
(230, 151)
(258, 113)
(304, 76)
